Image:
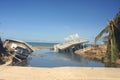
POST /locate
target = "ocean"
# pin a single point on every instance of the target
(41, 44)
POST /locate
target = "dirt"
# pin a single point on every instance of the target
(93, 52)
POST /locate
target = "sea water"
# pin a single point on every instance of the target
(48, 58)
(41, 44)
(51, 59)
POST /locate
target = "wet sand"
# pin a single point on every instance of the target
(60, 73)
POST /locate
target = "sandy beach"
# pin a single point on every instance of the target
(59, 73)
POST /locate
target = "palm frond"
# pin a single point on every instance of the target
(105, 30)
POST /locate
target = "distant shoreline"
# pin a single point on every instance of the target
(42, 47)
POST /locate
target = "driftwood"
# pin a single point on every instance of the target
(13, 56)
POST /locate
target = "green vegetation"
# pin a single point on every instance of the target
(113, 42)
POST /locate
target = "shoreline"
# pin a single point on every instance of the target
(95, 54)
(41, 47)
(92, 53)
(58, 73)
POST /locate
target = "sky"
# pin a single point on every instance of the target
(53, 20)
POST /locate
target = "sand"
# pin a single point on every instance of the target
(60, 73)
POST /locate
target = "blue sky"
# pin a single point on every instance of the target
(53, 20)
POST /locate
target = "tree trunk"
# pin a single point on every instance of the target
(2, 49)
